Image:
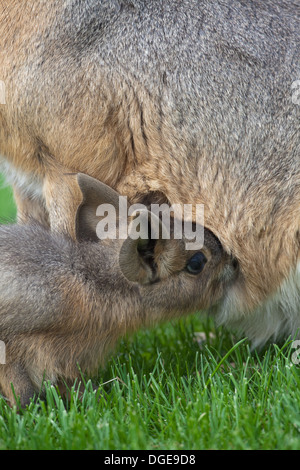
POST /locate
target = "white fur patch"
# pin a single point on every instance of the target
(27, 184)
(278, 318)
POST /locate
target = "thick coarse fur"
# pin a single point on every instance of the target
(65, 303)
(192, 100)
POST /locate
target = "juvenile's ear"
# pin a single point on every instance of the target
(153, 255)
(94, 193)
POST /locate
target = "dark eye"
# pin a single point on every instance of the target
(196, 264)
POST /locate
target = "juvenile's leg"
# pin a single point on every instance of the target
(29, 208)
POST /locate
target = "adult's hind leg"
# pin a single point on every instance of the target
(15, 383)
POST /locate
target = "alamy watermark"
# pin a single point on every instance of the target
(2, 92)
(295, 358)
(296, 92)
(2, 353)
(177, 221)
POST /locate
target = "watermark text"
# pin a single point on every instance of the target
(2, 92)
(178, 221)
(296, 92)
(2, 353)
(296, 354)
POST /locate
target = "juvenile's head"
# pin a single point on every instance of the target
(169, 275)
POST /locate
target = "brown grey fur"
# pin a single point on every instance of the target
(189, 99)
(64, 304)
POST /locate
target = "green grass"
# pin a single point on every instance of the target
(7, 205)
(163, 390)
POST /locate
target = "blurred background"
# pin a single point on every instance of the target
(7, 205)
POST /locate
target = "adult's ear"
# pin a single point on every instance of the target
(94, 194)
(152, 256)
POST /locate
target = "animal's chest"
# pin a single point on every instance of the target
(277, 318)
